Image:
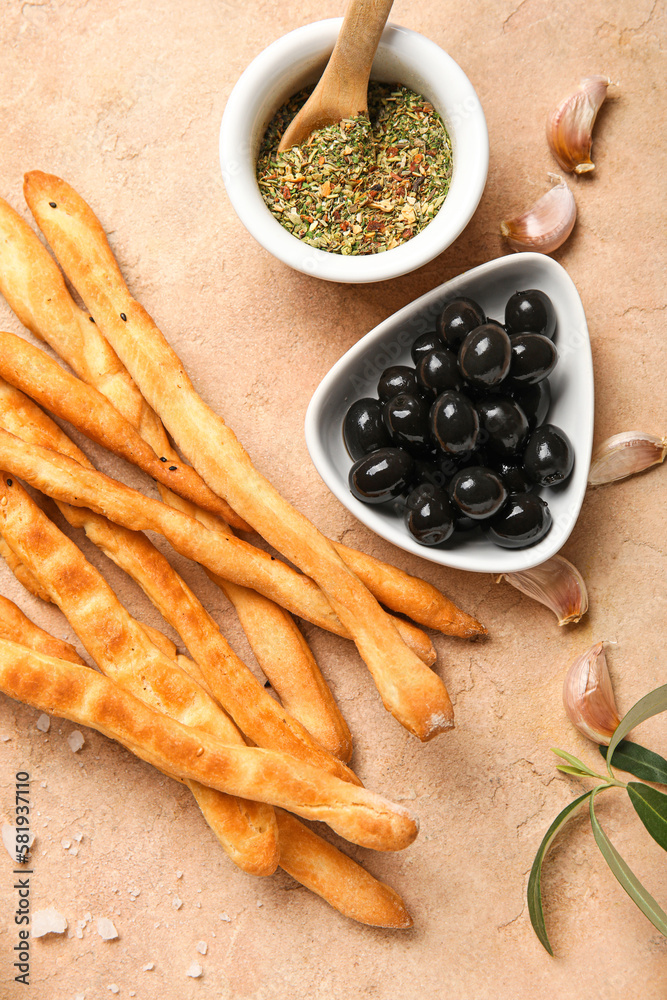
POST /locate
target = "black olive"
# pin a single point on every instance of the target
(477, 492)
(534, 400)
(524, 520)
(457, 319)
(485, 354)
(549, 456)
(503, 425)
(450, 465)
(534, 357)
(513, 476)
(424, 344)
(427, 471)
(397, 378)
(429, 515)
(454, 422)
(438, 371)
(364, 428)
(407, 419)
(531, 311)
(380, 476)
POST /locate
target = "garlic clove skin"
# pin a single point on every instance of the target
(624, 455)
(588, 696)
(570, 125)
(555, 583)
(545, 225)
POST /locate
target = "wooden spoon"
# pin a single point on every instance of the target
(342, 91)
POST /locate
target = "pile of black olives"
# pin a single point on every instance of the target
(458, 442)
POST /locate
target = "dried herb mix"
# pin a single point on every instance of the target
(363, 185)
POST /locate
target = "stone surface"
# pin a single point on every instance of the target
(124, 100)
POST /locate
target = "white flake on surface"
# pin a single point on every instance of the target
(106, 929)
(148, 967)
(177, 903)
(179, 874)
(227, 919)
(65, 843)
(202, 947)
(5, 739)
(194, 971)
(43, 723)
(113, 988)
(47, 922)
(9, 840)
(75, 741)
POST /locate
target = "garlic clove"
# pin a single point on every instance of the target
(555, 583)
(588, 696)
(625, 455)
(546, 224)
(570, 125)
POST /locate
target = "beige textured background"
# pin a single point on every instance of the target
(124, 100)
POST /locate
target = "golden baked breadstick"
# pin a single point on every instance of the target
(90, 699)
(40, 377)
(221, 552)
(23, 575)
(412, 693)
(338, 879)
(17, 627)
(34, 288)
(280, 650)
(122, 649)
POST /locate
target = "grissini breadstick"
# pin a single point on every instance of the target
(335, 877)
(40, 377)
(412, 693)
(330, 874)
(86, 697)
(122, 649)
(224, 554)
(22, 574)
(17, 627)
(32, 283)
(278, 645)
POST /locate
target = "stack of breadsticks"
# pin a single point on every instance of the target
(249, 760)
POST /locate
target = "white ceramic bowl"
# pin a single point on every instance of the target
(357, 372)
(403, 56)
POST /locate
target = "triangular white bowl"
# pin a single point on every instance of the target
(357, 372)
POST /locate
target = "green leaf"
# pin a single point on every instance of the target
(574, 762)
(625, 876)
(573, 770)
(534, 893)
(637, 760)
(651, 807)
(651, 704)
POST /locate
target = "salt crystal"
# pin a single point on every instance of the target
(198, 905)
(194, 971)
(259, 903)
(227, 919)
(74, 850)
(79, 996)
(43, 723)
(5, 739)
(176, 903)
(113, 988)
(42, 784)
(13, 849)
(148, 967)
(76, 741)
(179, 874)
(65, 843)
(88, 916)
(78, 837)
(47, 922)
(202, 947)
(106, 929)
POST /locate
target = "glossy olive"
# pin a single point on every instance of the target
(503, 425)
(534, 357)
(531, 311)
(395, 379)
(524, 520)
(477, 492)
(406, 418)
(457, 319)
(427, 471)
(424, 344)
(484, 356)
(454, 422)
(429, 515)
(380, 476)
(364, 428)
(438, 371)
(549, 456)
(534, 400)
(513, 475)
